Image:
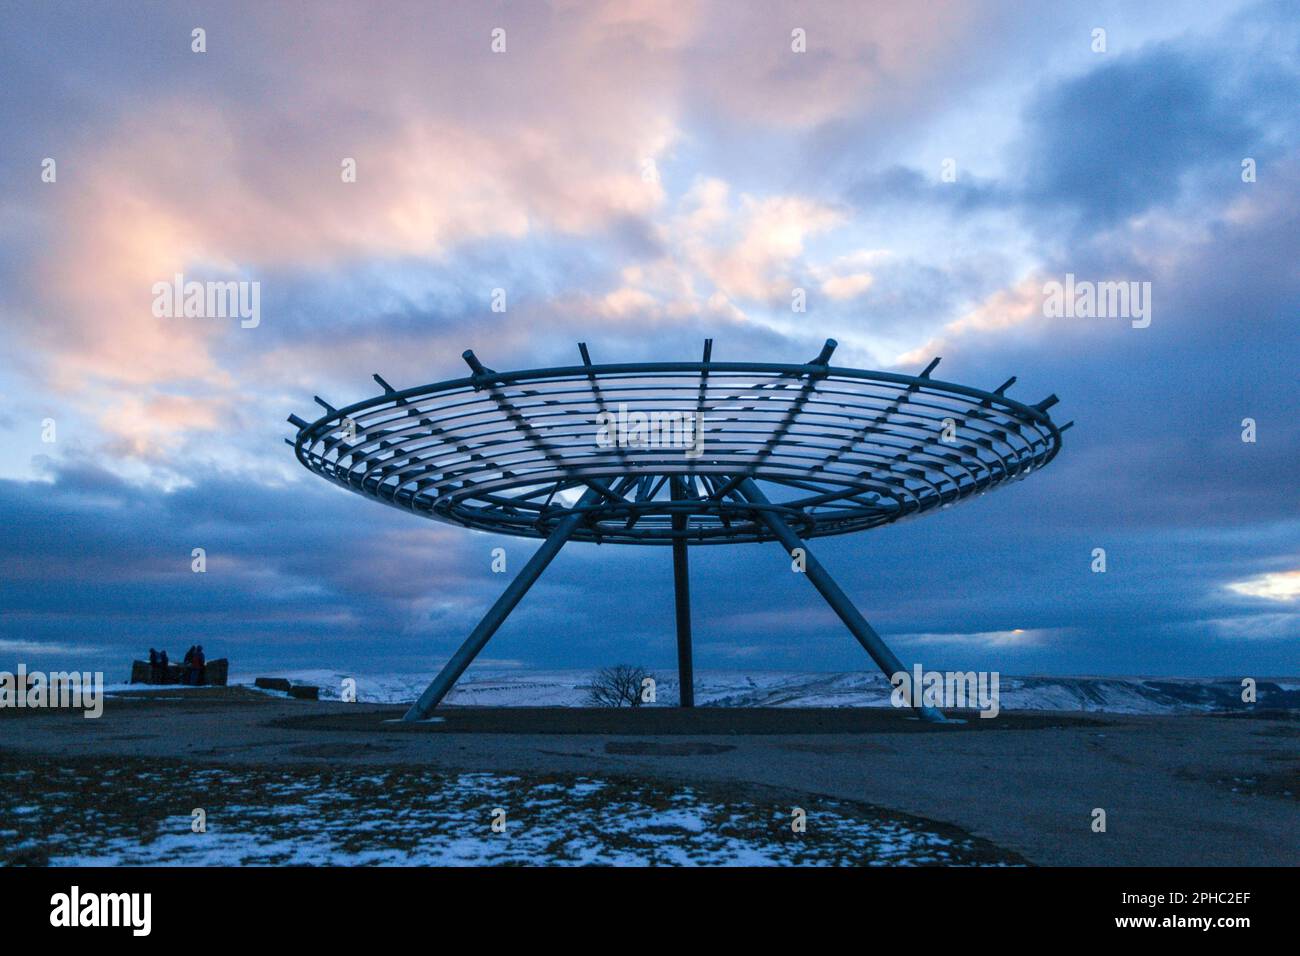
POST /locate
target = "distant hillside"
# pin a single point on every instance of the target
(1122, 695)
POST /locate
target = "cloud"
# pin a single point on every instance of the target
(1258, 627)
(206, 182)
(1119, 139)
(1014, 638)
(1163, 127)
(727, 258)
(862, 57)
(993, 318)
(1274, 586)
(40, 648)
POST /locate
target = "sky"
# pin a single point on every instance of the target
(641, 176)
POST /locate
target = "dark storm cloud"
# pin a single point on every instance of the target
(1140, 130)
(89, 553)
(1120, 139)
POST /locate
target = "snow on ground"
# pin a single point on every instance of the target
(568, 688)
(415, 816)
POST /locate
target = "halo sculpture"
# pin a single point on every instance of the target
(677, 454)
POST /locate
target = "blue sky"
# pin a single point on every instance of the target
(641, 176)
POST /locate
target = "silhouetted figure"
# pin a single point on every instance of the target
(162, 667)
(186, 663)
(154, 676)
(196, 666)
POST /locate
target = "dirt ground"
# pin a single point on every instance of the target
(1176, 790)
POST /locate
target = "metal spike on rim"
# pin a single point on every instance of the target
(478, 368)
(824, 356)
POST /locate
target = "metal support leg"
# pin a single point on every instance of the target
(682, 586)
(479, 637)
(885, 659)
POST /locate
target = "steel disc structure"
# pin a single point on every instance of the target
(676, 454)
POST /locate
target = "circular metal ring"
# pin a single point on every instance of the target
(835, 449)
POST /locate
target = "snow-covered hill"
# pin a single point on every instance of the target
(514, 688)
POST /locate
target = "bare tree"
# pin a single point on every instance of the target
(617, 686)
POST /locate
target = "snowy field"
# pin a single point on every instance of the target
(128, 812)
(1119, 695)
